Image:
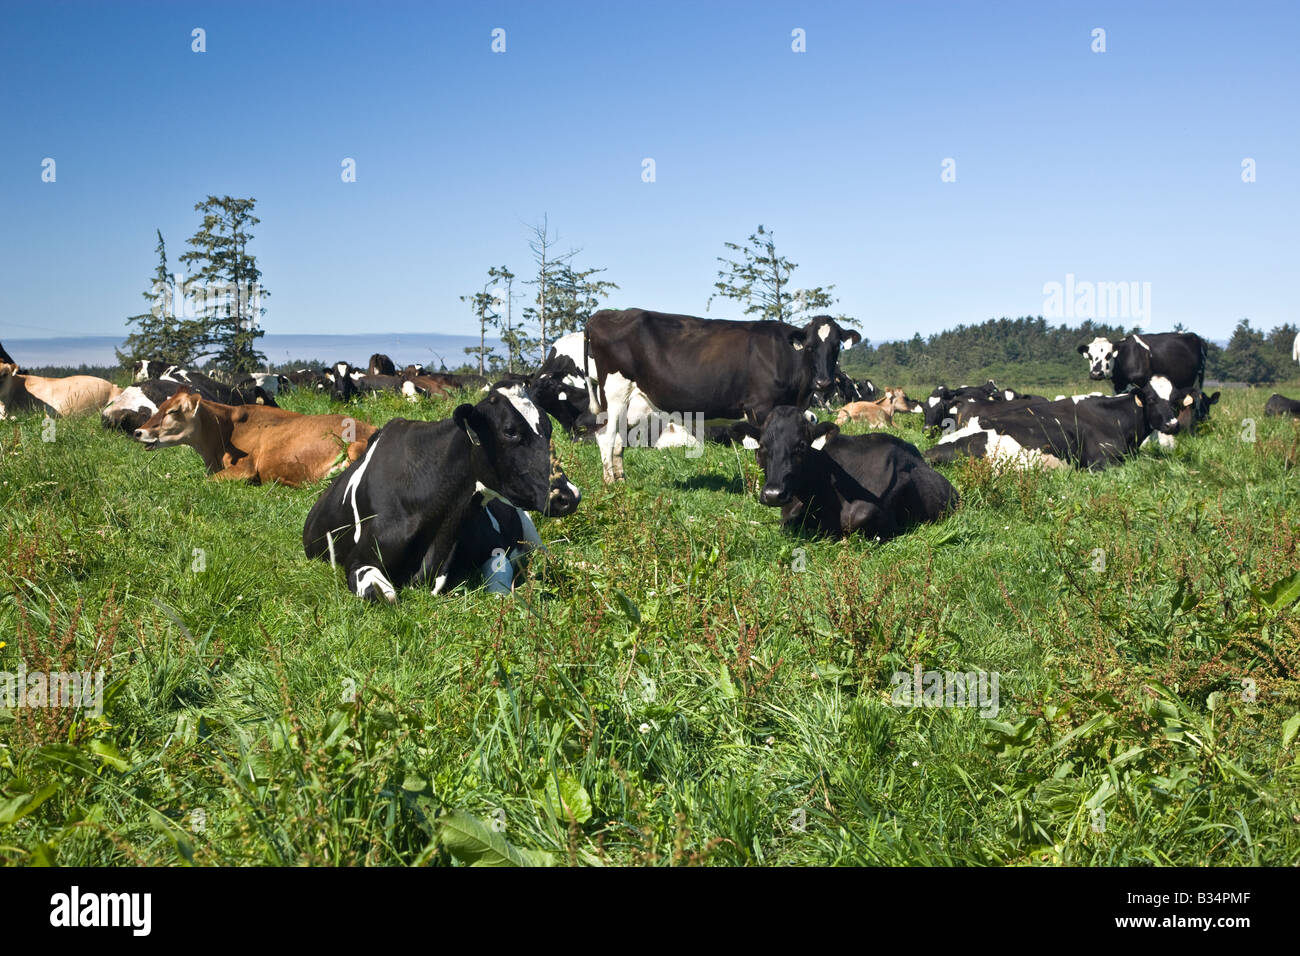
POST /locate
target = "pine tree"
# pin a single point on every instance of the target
(761, 280)
(161, 333)
(228, 282)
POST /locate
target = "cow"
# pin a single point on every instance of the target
(430, 386)
(1136, 359)
(268, 382)
(844, 390)
(493, 544)
(395, 517)
(714, 368)
(147, 369)
(381, 364)
(878, 414)
(1295, 349)
(305, 378)
(1281, 405)
(826, 483)
(139, 402)
(413, 370)
(341, 382)
(255, 443)
(1094, 433)
(943, 401)
(54, 396)
(1191, 404)
(7, 359)
(245, 392)
(560, 385)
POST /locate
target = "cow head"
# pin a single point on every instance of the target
(173, 423)
(1192, 406)
(787, 443)
(1100, 353)
(1161, 416)
(341, 382)
(936, 406)
(820, 341)
(8, 371)
(514, 436)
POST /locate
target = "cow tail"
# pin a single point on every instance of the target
(1205, 357)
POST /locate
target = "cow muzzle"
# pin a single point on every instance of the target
(773, 495)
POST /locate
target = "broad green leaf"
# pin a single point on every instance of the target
(1289, 729)
(474, 843)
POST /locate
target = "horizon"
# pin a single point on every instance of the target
(1123, 166)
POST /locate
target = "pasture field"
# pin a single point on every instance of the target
(677, 683)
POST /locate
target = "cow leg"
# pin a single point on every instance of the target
(618, 395)
(369, 583)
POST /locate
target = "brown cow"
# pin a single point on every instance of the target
(877, 414)
(57, 396)
(257, 443)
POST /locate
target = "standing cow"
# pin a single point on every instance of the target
(1136, 360)
(708, 367)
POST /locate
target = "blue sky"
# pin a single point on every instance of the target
(1115, 166)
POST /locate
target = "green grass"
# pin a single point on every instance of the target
(666, 689)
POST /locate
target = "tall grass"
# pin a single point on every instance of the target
(667, 688)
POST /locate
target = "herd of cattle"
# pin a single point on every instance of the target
(438, 503)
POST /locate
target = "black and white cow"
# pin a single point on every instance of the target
(5, 358)
(877, 485)
(710, 368)
(944, 402)
(560, 387)
(1137, 359)
(1279, 404)
(1093, 433)
(381, 364)
(844, 390)
(139, 402)
(396, 515)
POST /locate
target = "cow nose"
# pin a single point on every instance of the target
(771, 495)
(823, 382)
(138, 434)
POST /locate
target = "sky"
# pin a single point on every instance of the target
(1122, 166)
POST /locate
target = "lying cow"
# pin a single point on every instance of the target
(138, 403)
(877, 414)
(54, 396)
(1094, 433)
(944, 402)
(877, 485)
(255, 443)
(397, 516)
(1137, 359)
(381, 364)
(1281, 405)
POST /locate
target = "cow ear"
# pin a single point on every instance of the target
(1083, 349)
(797, 339)
(850, 339)
(1212, 399)
(824, 432)
(742, 430)
(463, 416)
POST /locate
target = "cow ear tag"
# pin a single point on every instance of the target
(473, 436)
(1138, 400)
(1187, 401)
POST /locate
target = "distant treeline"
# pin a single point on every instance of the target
(1029, 351)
